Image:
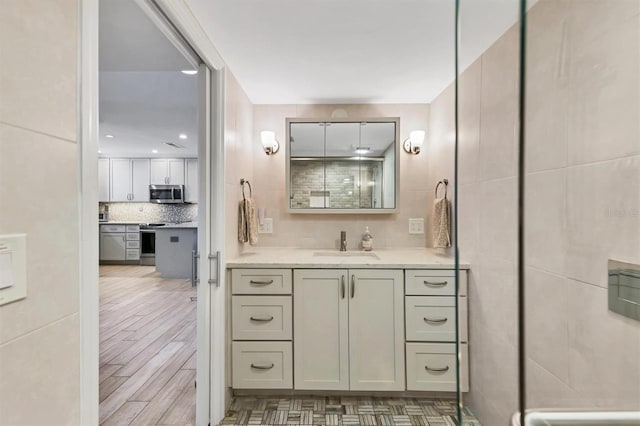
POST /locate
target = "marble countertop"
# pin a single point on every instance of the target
(279, 257)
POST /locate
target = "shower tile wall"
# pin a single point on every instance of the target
(582, 203)
(340, 180)
(151, 213)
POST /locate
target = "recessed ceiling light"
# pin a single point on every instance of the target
(190, 72)
(155, 151)
(99, 152)
(108, 136)
(182, 136)
(362, 150)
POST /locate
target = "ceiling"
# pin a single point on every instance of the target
(145, 100)
(348, 51)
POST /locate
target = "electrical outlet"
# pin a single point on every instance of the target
(416, 226)
(266, 227)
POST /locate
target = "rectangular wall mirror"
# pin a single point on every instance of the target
(342, 166)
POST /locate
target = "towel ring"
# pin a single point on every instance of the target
(444, 182)
(242, 182)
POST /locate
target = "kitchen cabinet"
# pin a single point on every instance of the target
(349, 329)
(129, 179)
(119, 243)
(113, 246)
(167, 171)
(191, 180)
(103, 179)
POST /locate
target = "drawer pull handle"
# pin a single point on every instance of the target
(353, 286)
(262, 319)
(437, 370)
(435, 284)
(261, 282)
(342, 286)
(266, 367)
(436, 321)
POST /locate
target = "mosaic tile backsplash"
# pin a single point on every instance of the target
(151, 212)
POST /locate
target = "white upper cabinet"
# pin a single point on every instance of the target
(103, 179)
(140, 180)
(191, 180)
(129, 179)
(167, 171)
(120, 179)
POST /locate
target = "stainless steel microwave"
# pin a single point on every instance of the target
(166, 194)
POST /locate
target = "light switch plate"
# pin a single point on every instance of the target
(13, 268)
(266, 227)
(416, 226)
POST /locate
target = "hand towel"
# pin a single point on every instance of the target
(441, 223)
(247, 222)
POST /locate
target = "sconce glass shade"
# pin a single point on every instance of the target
(269, 142)
(414, 142)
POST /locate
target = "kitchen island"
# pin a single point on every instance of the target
(175, 245)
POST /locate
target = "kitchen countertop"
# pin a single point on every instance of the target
(185, 225)
(280, 257)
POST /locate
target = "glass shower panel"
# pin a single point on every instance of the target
(485, 195)
(582, 195)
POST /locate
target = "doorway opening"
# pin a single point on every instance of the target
(149, 185)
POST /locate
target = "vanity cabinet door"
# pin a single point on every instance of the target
(321, 332)
(376, 330)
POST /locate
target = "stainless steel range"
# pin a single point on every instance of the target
(148, 243)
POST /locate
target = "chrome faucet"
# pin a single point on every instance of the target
(343, 240)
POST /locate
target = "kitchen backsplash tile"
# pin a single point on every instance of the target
(151, 213)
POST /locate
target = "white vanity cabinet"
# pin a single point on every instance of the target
(349, 329)
(261, 327)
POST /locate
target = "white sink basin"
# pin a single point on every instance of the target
(346, 255)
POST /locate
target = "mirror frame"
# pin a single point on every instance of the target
(396, 194)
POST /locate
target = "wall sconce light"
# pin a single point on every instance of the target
(269, 142)
(413, 143)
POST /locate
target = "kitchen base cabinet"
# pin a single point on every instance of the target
(174, 251)
(262, 365)
(119, 244)
(113, 246)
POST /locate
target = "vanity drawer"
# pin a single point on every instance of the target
(261, 281)
(432, 318)
(432, 367)
(261, 317)
(434, 282)
(262, 365)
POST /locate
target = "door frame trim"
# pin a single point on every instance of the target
(181, 16)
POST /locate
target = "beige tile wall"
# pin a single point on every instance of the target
(238, 157)
(323, 231)
(39, 336)
(583, 199)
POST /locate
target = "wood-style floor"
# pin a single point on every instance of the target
(147, 348)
